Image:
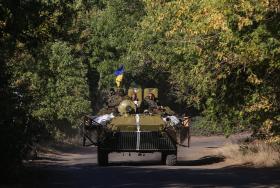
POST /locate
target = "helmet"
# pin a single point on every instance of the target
(126, 107)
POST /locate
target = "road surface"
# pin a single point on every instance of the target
(198, 166)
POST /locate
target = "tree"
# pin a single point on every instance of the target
(26, 27)
(218, 55)
(111, 31)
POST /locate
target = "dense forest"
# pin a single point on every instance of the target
(220, 58)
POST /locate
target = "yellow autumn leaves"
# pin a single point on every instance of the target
(186, 17)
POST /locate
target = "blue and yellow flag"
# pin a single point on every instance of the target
(119, 75)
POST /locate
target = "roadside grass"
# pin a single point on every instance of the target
(257, 153)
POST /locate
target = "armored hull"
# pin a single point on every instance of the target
(135, 133)
(141, 133)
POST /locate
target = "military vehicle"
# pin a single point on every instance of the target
(137, 127)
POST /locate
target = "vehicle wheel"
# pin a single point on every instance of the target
(171, 160)
(102, 157)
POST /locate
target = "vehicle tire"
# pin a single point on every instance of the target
(102, 157)
(171, 160)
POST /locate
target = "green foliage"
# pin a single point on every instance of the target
(62, 88)
(111, 31)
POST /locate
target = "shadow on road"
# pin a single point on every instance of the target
(134, 175)
(207, 160)
(50, 158)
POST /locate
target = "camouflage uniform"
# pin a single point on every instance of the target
(150, 104)
(113, 100)
(185, 131)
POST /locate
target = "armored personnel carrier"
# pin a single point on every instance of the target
(140, 125)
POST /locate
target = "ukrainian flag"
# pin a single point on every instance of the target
(119, 75)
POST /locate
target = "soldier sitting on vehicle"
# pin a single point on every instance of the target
(151, 96)
(150, 102)
(112, 101)
(135, 100)
(152, 105)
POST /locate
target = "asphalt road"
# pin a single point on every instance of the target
(198, 166)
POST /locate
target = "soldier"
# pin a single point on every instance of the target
(112, 92)
(113, 100)
(150, 102)
(151, 96)
(186, 129)
(135, 100)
